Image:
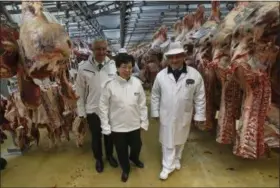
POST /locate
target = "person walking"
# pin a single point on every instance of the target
(92, 74)
(124, 113)
(176, 90)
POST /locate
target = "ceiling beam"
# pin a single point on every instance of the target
(8, 17)
(122, 25)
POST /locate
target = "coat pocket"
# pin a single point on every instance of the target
(188, 105)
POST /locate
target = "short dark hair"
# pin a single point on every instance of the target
(124, 58)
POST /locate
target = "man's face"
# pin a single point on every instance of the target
(100, 50)
(176, 61)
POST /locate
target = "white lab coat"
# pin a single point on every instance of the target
(90, 82)
(123, 106)
(173, 103)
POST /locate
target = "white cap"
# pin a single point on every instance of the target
(175, 48)
(122, 50)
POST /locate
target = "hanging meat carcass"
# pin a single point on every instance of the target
(8, 49)
(230, 92)
(178, 27)
(187, 25)
(81, 50)
(252, 54)
(50, 115)
(202, 36)
(18, 118)
(194, 23)
(3, 121)
(45, 44)
(151, 60)
(275, 77)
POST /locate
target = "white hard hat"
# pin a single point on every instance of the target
(175, 48)
(122, 50)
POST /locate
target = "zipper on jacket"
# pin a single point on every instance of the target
(89, 71)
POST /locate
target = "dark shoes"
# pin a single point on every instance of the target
(124, 176)
(112, 161)
(3, 163)
(99, 166)
(137, 163)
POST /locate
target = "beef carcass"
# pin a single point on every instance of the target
(195, 21)
(79, 128)
(66, 88)
(3, 121)
(230, 94)
(202, 38)
(48, 115)
(178, 27)
(186, 26)
(8, 50)
(252, 53)
(81, 50)
(275, 78)
(45, 44)
(151, 60)
(18, 118)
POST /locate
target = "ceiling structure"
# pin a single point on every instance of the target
(122, 23)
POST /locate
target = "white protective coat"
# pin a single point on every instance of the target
(173, 103)
(90, 82)
(123, 106)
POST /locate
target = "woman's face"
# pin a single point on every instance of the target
(125, 70)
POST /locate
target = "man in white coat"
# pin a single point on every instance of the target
(91, 77)
(176, 90)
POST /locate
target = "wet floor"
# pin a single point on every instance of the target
(205, 163)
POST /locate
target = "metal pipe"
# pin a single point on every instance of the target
(122, 24)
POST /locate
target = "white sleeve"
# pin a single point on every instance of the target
(155, 98)
(143, 109)
(80, 87)
(200, 101)
(104, 110)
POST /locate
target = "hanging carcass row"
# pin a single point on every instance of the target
(229, 108)
(151, 59)
(192, 23)
(187, 25)
(45, 44)
(51, 114)
(253, 51)
(224, 38)
(81, 50)
(36, 53)
(202, 36)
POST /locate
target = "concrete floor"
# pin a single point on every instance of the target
(205, 163)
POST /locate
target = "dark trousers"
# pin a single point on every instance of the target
(122, 141)
(96, 137)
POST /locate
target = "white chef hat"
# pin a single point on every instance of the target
(175, 48)
(122, 50)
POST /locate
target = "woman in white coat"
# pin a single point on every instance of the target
(124, 113)
(176, 90)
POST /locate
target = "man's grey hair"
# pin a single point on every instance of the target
(98, 40)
